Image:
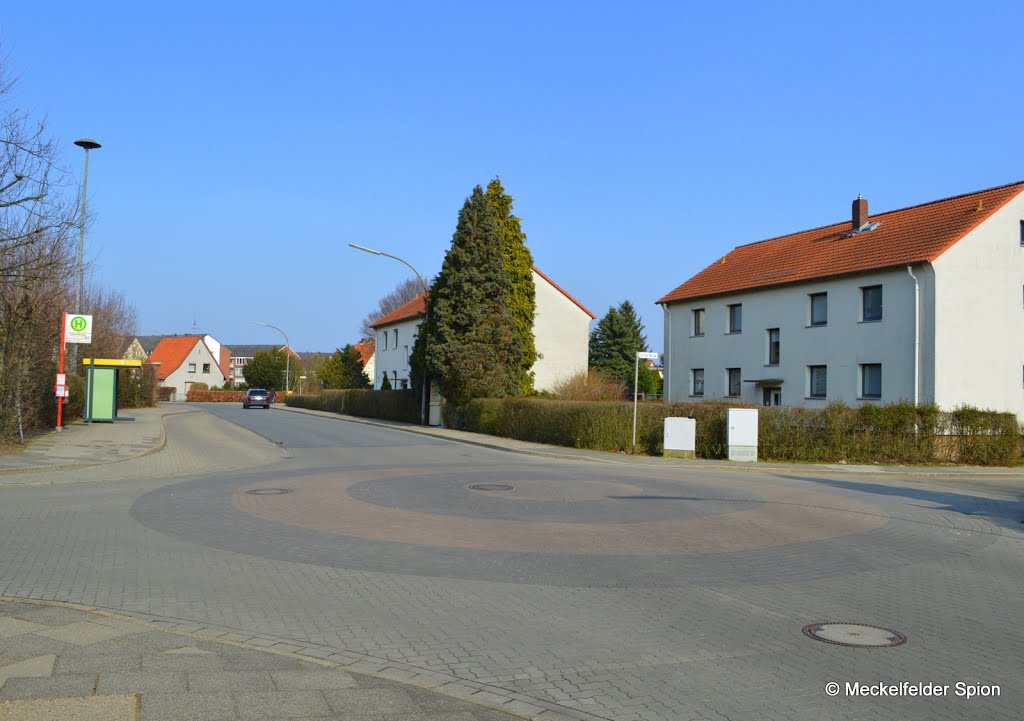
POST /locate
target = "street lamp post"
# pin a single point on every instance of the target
(287, 355)
(426, 312)
(87, 144)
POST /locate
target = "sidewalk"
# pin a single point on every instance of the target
(62, 661)
(137, 432)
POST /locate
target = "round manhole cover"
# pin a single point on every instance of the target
(491, 487)
(854, 634)
(268, 491)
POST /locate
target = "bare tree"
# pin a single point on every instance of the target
(402, 294)
(37, 214)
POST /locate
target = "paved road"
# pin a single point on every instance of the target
(616, 591)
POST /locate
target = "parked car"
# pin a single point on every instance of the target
(256, 397)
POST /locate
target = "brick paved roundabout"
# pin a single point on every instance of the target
(601, 591)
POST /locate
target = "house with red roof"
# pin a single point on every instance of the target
(182, 360)
(918, 304)
(561, 329)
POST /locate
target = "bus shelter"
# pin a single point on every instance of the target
(101, 387)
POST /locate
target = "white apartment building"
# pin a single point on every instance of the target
(922, 304)
(561, 330)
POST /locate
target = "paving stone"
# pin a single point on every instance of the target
(142, 682)
(97, 663)
(29, 668)
(257, 661)
(370, 700)
(188, 707)
(281, 704)
(304, 680)
(92, 708)
(15, 627)
(52, 615)
(84, 633)
(65, 685)
(208, 681)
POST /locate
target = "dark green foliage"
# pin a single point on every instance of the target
(385, 383)
(614, 343)
(388, 405)
(266, 370)
(896, 433)
(468, 341)
(518, 262)
(344, 369)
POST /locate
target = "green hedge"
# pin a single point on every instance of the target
(895, 433)
(392, 405)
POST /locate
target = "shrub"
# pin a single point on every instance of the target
(199, 387)
(164, 393)
(403, 405)
(895, 433)
(201, 396)
(590, 385)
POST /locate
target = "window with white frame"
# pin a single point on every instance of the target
(396, 339)
(817, 381)
(206, 368)
(871, 380)
(385, 341)
(732, 382)
(736, 318)
(697, 381)
(819, 308)
(191, 367)
(773, 346)
(698, 321)
(871, 303)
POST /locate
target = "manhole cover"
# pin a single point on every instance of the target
(853, 634)
(491, 487)
(268, 491)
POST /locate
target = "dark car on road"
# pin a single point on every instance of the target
(256, 397)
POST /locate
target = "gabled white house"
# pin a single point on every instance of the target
(561, 330)
(183, 360)
(920, 304)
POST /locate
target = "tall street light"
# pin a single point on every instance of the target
(287, 355)
(88, 144)
(426, 311)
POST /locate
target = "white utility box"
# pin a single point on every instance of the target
(680, 437)
(742, 424)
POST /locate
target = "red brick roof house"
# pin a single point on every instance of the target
(186, 359)
(921, 303)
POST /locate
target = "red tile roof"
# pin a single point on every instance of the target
(171, 352)
(365, 349)
(413, 309)
(561, 290)
(910, 235)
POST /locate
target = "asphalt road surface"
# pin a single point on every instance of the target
(623, 591)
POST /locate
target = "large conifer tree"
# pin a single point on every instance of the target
(518, 262)
(468, 342)
(614, 343)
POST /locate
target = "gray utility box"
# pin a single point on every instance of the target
(680, 437)
(742, 424)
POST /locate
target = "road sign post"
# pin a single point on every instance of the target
(636, 381)
(61, 384)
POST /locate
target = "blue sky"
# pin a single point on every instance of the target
(245, 144)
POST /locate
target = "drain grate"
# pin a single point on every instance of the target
(268, 491)
(491, 487)
(854, 634)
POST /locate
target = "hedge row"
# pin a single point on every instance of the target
(194, 396)
(896, 433)
(391, 405)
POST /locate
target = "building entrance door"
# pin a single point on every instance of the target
(771, 397)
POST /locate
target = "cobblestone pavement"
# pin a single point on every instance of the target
(519, 594)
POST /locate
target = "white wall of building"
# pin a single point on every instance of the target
(191, 371)
(842, 345)
(391, 354)
(979, 340)
(561, 332)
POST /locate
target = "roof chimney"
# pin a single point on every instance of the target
(860, 212)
